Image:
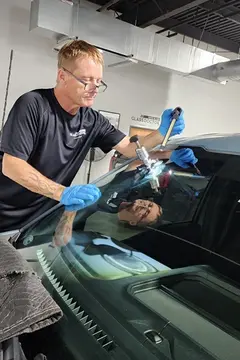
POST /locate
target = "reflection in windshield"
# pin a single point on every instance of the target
(100, 257)
(129, 205)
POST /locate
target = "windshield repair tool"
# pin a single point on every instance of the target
(144, 157)
(175, 115)
(196, 169)
(141, 151)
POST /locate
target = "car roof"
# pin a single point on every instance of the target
(215, 142)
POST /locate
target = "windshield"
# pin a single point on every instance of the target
(118, 255)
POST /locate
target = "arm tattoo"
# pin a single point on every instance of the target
(67, 218)
(36, 182)
(63, 232)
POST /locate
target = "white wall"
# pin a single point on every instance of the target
(33, 60)
(209, 107)
(131, 91)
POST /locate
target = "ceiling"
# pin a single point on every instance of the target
(215, 22)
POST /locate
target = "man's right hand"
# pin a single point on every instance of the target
(77, 197)
(166, 120)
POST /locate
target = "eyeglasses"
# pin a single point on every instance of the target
(88, 86)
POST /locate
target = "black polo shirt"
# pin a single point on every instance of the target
(39, 131)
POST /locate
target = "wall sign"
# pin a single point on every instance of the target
(146, 121)
(113, 117)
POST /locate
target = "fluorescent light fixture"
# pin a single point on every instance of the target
(126, 60)
(69, 2)
(63, 41)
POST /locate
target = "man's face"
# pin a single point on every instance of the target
(86, 70)
(139, 212)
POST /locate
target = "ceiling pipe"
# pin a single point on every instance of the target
(174, 12)
(108, 5)
(222, 7)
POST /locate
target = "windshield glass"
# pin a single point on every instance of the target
(152, 248)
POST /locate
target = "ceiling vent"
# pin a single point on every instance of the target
(221, 72)
(57, 18)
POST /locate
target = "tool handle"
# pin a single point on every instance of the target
(134, 139)
(175, 115)
(166, 137)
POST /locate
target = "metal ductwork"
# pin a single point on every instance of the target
(221, 73)
(61, 18)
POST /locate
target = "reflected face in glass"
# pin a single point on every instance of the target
(139, 212)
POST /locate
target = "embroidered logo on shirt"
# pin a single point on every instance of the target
(78, 134)
(112, 197)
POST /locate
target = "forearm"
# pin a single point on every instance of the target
(25, 175)
(63, 232)
(66, 222)
(160, 155)
(129, 149)
(151, 140)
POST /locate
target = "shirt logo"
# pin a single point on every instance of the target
(78, 134)
(112, 197)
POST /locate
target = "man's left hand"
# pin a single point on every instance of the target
(166, 121)
(183, 158)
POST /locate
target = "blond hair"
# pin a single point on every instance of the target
(76, 49)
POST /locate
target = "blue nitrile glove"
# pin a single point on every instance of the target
(166, 121)
(183, 158)
(77, 197)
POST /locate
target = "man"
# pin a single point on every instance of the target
(48, 134)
